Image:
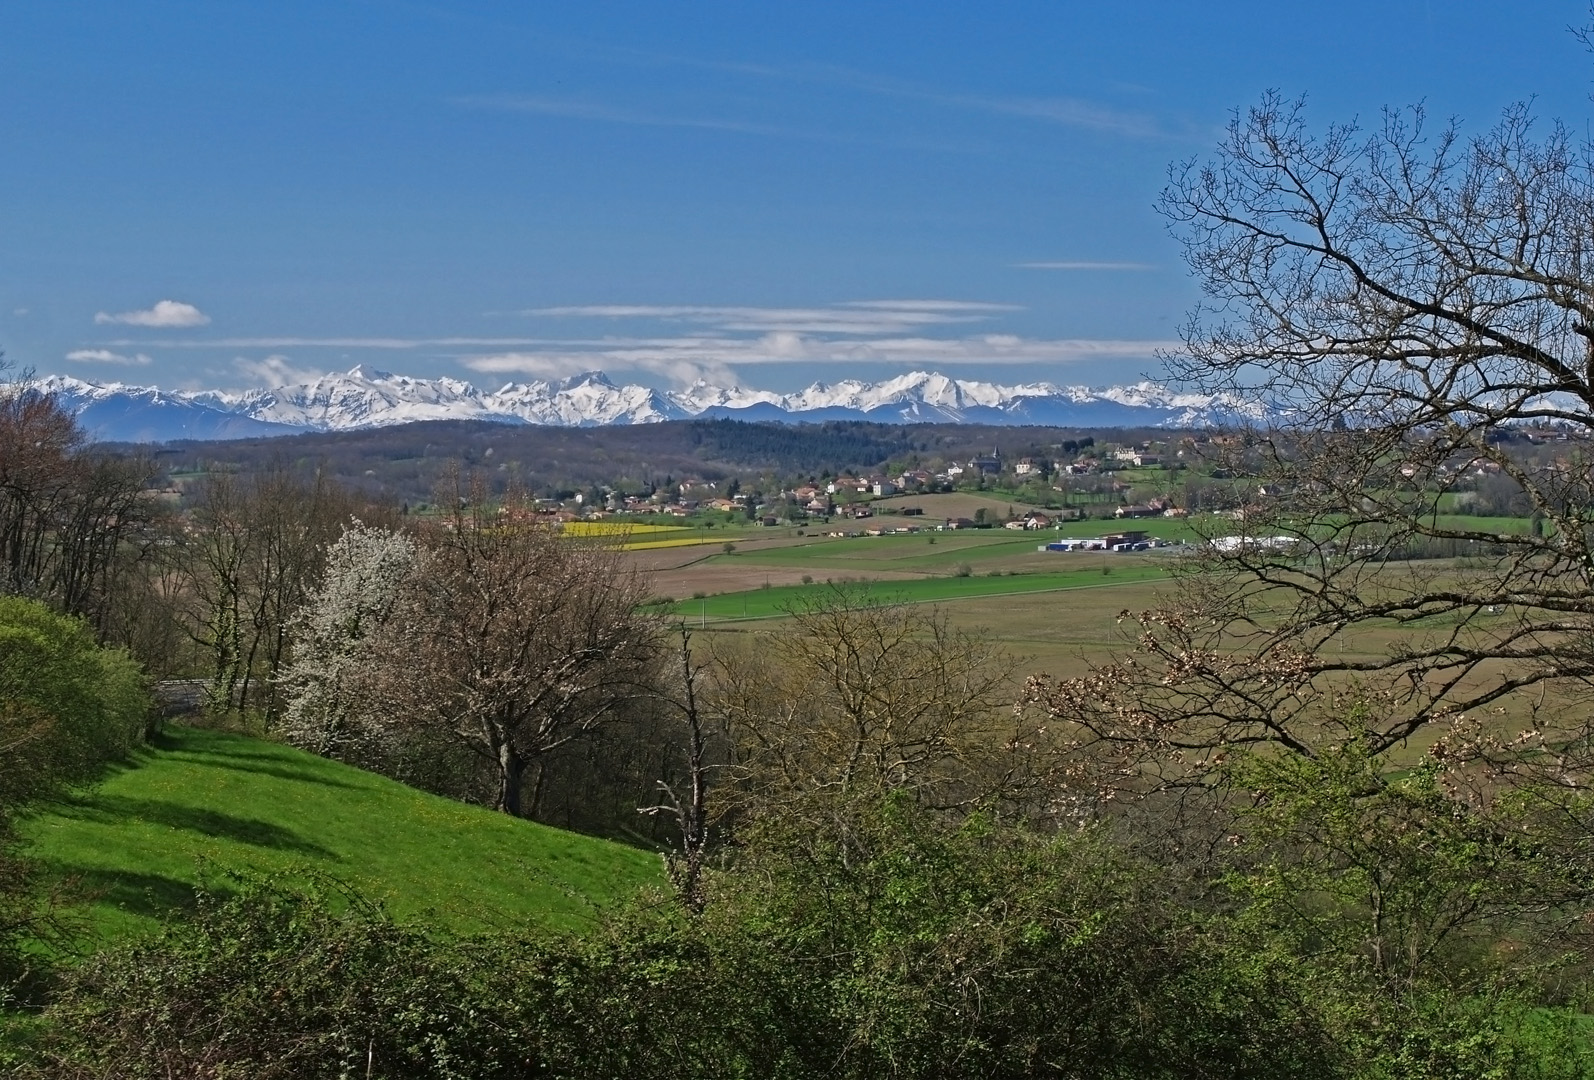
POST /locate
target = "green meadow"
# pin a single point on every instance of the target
(781, 600)
(199, 803)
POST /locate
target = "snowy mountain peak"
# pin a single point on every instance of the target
(586, 378)
(367, 397)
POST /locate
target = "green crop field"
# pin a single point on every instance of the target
(777, 601)
(927, 552)
(1484, 524)
(136, 844)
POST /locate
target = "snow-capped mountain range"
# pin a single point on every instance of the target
(365, 398)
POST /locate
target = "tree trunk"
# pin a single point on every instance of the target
(511, 771)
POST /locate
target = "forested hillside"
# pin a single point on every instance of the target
(406, 463)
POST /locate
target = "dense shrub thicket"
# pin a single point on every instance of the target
(916, 949)
(67, 707)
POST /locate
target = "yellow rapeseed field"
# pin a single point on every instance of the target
(612, 528)
(640, 537)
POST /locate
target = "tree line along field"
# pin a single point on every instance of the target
(407, 462)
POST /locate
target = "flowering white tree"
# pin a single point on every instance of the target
(326, 683)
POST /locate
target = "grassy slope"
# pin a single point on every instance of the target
(140, 839)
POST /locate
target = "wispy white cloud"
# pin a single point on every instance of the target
(106, 356)
(685, 342)
(275, 371)
(1063, 110)
(166, 314)
(329, 342)
(1083, 264)
(860, 317)
(689, 357)
(591, 110)
(933, 305)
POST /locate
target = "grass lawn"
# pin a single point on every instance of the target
(775, 601)
(138, 842)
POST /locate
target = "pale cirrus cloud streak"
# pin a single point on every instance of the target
(106, 356)
(1063, 110)
(1083, 264)
(574, 109)
(683, 342)
(858, 317)
(717, 358)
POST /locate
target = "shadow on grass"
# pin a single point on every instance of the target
(245, 763)
(115, 809)
(265, 762)
(153, 895)
(181, 746)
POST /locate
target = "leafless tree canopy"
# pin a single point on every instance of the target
(67, 515)
(857, 698)
(1415, 301)
(1408, 274)
(513, 640)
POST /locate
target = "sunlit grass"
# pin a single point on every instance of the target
(138, 843)
(775, 601)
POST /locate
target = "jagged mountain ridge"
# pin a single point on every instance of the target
(367, 398)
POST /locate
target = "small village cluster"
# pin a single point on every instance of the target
(1083, 474)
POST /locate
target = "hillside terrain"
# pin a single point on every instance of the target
(407, 462)
(199, 803)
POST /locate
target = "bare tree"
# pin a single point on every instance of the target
(1356, 683)
(1413, 303)
(513, 640)
(686, 802)
(66, 511)
(859, 697)
(243, 560)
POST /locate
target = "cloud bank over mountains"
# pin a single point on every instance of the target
(367, 398)
(663, 344)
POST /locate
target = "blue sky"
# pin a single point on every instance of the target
(212, 193)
